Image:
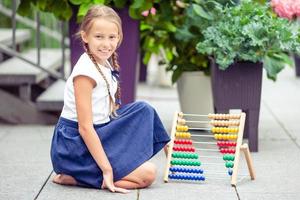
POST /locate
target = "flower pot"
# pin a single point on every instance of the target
(297, 65)
(239, 87)
(194, 92)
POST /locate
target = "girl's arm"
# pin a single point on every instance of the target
(83, 87)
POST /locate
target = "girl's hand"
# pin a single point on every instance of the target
(109, 184)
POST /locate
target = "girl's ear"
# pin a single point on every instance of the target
(84, 36)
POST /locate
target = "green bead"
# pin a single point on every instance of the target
(232, 158)
(229, 164)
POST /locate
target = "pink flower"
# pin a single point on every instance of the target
(146, 12)
(153, 11)
(286, 8)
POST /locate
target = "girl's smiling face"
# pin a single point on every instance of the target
(102, 39)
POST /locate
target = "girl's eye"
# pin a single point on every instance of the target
(113, 37)
(99, 36)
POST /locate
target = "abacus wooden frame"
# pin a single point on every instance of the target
(239, 147)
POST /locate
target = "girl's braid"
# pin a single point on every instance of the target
(111, 102)
(116, 67)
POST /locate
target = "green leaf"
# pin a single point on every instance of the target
(120, 3)
(84, 8)
(201, 12)
(137, 4)
(133, 13)
(99, 2)
(147, 57)
(78, 2)
(42, 4)
(273, 65)
(24, 8)
(169, 26)
(176, 74)
(169, 54)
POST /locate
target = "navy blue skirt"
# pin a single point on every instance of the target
(128, 141)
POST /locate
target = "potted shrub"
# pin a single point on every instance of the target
(289, 9)
(241, 41)
(175, 31)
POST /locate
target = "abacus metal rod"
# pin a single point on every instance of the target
(216, 157)
(211, 136)
(213, 143)
(200, 122)
(199, 128)
(221, 173)
(196, 115)
(201, 149)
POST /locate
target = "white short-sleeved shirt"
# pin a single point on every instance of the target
(100, 97)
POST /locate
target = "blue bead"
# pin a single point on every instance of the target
(230, 172)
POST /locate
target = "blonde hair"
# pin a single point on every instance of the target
(101, 11)
(104, 12)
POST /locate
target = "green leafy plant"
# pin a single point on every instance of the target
(175, 29)
(250, 32)
(62, 9)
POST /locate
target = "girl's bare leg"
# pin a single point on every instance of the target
(64, 179)
(141, 177)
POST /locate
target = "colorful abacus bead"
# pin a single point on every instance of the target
(224, 122)
(226, 144)
(189, 149)
(187, 177)
(224, 130)
(185, 162)
(225, 150)
(185, 155)
(183, 135)
(182, 128)
(223, 116)
(230, 171)
(228, 157)
(186, 170)
(187, 142)
(229, 164)
(225, 136)
(181, 121)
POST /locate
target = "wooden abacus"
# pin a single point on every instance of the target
(227, 129)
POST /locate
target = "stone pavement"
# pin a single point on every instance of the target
(25, 168)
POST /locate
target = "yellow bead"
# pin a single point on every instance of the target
(213, 129)
(186, 128)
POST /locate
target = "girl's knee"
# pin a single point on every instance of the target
(149, 174)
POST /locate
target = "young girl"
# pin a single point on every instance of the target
(95, 144)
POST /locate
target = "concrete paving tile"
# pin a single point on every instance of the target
(277, 162)
(22, 181)
(54, 191)
(25, 161)
(269, 196)
(185, 190)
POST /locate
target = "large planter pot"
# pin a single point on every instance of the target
(194, 92)
(239, 87)
(297, 65)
